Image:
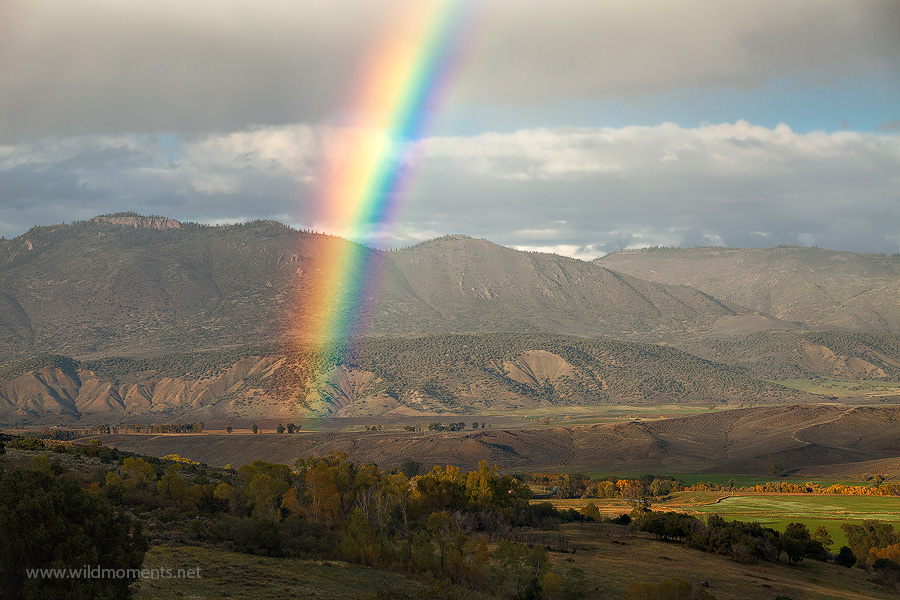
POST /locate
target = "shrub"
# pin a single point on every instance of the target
(47, 522)
(845, 557)
(29, 443)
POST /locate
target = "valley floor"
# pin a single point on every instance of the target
(805, 439)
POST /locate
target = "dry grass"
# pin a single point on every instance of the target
(226, 574)
(611, 557)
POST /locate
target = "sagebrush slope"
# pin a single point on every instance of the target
(820, 288)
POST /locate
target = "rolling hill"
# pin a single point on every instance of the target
(806, 354)
(804, 437)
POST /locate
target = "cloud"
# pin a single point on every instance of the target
(582, 192)
(533, 50)
(580, 252)
(729, 182)
(101, 66)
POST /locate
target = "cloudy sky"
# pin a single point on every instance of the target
(573, 126)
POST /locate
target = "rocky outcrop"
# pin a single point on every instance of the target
(138, 221)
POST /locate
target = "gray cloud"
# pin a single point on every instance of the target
(580, 192)
(536, 49)
(95, 66)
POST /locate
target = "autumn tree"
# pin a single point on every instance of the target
(138, 473)
(519, 569)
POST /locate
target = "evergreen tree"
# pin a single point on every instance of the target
(46, 522)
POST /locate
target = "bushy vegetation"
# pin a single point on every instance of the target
(744, 542)
(475, 529)
(438, 524)
(773, 355)
(579, 485)
(47, 522)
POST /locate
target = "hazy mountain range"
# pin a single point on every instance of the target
(146, 287)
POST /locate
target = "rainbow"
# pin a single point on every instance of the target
(400, 91)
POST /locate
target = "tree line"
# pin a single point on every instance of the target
(446, 524)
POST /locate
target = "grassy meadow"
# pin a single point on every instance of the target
(777, 510)
(226, 574)
(842, 388)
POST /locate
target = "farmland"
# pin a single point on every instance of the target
(842, 388)
(770, 510)
(777, 510)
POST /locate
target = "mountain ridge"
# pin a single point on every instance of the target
(819, 288)
(129, 284)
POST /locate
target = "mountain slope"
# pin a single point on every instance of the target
(478, 285)
(132, 284)
(820, 288)
(129, 284)
(451, 374)
(806, 354)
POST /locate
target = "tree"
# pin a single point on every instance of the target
(411, 468)
(591, 512)
(172, 485)
(279, 429)
(822, 536)
(47, 522)
(139, 473)
(228, 429)
(845, 557)
(870, 534)
(797, 542)
(255, 428)
(519, 570)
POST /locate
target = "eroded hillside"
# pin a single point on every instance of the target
(807, 354)
(449, 374)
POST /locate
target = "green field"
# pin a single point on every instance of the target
(770, 510)
(841, 388)
(777, 510)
